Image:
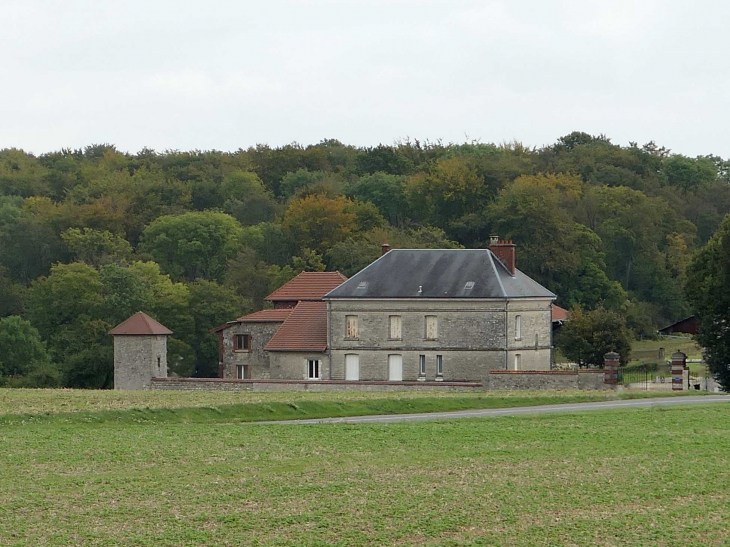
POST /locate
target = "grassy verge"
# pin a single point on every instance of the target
(620, 477)
(286, 408)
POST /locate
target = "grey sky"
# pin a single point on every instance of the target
(228, 74)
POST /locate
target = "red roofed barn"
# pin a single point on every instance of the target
(274, 343)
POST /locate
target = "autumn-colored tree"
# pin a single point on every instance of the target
(318, 222)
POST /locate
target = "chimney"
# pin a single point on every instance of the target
(504, 250)
(384, 248)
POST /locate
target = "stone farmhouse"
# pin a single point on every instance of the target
(429, 315)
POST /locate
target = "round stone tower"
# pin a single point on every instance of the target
(140, 352)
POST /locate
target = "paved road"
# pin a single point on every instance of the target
(541, 409)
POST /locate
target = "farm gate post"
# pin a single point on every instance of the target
(610, 368)
(679, 362)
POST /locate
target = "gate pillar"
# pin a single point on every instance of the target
(679, 362)
(610, 368)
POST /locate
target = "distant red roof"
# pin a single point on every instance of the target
(560, 314)
(304, 330)
(308, 286)
(140, 324)
(266, 316)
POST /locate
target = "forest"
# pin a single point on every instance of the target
(90, 236)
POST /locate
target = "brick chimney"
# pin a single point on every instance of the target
(504, 250)
(384, 248)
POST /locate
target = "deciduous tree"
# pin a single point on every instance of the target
(588, 336)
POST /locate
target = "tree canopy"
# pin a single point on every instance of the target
(707, 285)
(89, 235)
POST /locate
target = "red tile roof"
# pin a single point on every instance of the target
(559, 314)
(304, 330)
(266, 316)
(308, 286)
(140, 324)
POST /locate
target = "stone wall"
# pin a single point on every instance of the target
(217, 384)
(257, 359)
(496, 380)
(533, 379)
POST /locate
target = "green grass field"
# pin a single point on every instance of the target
(630, 476)
(648, 350)
(66, 406)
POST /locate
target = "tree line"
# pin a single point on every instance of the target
(90, 236)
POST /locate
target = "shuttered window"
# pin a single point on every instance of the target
(351, 330)
(432, 332)
(395, 327)
(243, 342)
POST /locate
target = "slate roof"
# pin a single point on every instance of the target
(308, 286)
(439, 273)
(304, 330)
(140, 324)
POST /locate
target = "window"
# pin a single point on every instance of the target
(395, 327)
(422, 365)
(439, 365)
(313, 369)
(518, 327)
(243, 342)
(432, 332)
(518, 361)
(242, 372)
(351, 330)
(159, 363)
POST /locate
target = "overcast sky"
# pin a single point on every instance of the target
(227, 74)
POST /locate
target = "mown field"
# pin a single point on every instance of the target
(76, 406)
(632, 476)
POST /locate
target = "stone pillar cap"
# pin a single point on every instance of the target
(611, 356)
(678, 356)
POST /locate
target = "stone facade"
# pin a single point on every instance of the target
(137, 359)
(257, 359)
(293, 365)
(473, 337)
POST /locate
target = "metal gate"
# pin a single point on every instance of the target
(643, 375)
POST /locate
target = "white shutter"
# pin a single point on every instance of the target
(431, 328)
(395, 368)
(395, 327)
(351, 329)
(352, 367)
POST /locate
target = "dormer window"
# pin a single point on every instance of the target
(469, 286)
